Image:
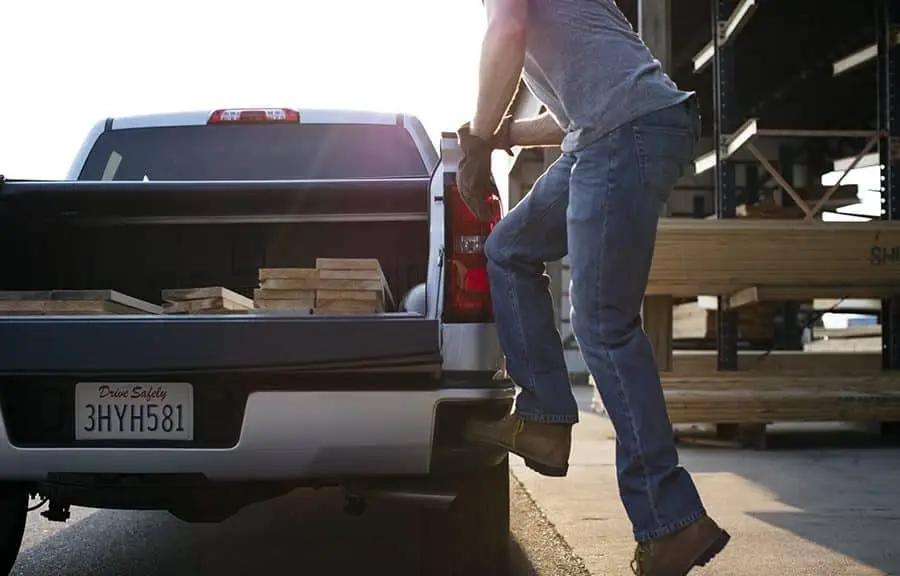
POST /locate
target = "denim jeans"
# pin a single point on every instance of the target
(600, 205)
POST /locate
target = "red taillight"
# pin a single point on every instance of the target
(468, 294)
(254, 116)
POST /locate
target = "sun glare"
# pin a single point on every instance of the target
(99, 58)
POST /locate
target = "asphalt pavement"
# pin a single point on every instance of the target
(305, 532)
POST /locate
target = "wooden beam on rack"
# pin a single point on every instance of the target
(695, 256)
(688, 364)
(756, 294)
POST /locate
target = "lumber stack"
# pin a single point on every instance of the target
(770, 211)
(65, 302)
(351, 286)
(693, 320)
(688, 364)
(851, 339)
(827, 259)
(781, 404)
(286, 289)
(206, 300)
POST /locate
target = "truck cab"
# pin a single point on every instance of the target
(373, 403)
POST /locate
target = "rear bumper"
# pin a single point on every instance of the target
(287, 435)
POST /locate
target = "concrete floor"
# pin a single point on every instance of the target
(816, 503)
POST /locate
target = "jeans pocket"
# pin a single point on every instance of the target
(663, 153)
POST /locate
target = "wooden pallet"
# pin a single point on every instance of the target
(65, 302)
(351, 286)
(207, 300)
(286, 289)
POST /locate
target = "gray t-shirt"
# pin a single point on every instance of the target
(586, 63)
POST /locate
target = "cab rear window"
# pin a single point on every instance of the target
(255, 152)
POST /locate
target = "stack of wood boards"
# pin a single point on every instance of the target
(692, 320)
(696, 256)
(851, 339)
(764, 399)
(287, 289)
(753, 398)
(770, 211)
(64, 302)
(687, 364)
(351, 286)
(208, 300)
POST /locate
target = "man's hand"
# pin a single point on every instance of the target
(474, 173)
(502, 138)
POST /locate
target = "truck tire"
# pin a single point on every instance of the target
(471, 537)
(13, 512)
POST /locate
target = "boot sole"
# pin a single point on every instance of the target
(547, 470)
(713, 550)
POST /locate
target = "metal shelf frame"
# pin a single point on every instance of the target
(887, 18)
(730, 134)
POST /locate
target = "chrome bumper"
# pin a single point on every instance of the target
(285, 435)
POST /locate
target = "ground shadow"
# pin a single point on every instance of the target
(302, 533)
(843, 480)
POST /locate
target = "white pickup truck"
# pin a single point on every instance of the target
(256, 405)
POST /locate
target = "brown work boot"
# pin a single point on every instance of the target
(678, 553)
(545, 447)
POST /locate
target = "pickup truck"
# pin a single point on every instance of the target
(267, 403)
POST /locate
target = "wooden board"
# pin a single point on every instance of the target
(370, 264)
(289, 304)
(205, 306)
(347, 307)
(865, 331)
(696, 256)
(747, 381)
(73, 302)
(758, 294)
(288, 273)
(351, 286)
(206, 293)
(703, 363)
(263, 294)
(64, 307)
(845, 345)
(289, 283)
(766, 406)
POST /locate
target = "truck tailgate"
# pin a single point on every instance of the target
(147, 344)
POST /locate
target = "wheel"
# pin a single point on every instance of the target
(472, 536)
(13, 511)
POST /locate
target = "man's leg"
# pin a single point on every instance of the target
(532, 233)
(617, 187)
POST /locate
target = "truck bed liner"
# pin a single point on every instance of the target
(107, 345)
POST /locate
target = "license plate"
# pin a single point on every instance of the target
(134, 411)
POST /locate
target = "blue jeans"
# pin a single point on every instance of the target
(600, 205)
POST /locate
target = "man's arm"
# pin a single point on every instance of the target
(540, 131)
(502, 59)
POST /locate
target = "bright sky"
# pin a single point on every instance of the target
(68, 64)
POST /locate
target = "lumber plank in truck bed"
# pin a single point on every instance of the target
(351, 286)
(73, 302)
(205, 300)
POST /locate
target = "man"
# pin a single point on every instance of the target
(626, 133)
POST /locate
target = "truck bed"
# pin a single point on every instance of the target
(140, 238)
